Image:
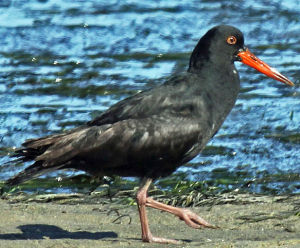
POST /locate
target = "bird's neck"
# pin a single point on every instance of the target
(221, 71)
(222, 82)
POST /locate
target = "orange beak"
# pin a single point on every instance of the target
(250, 59)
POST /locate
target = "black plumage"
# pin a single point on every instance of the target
(150, 134)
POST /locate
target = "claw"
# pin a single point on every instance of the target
(192, 219)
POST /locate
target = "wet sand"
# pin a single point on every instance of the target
(244, 221)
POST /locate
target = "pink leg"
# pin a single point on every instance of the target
(190, 218)
(146, 233)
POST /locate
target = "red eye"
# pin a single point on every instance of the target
(231, 40)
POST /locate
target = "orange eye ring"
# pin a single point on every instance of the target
(231, 40)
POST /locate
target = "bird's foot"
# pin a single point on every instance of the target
(192, 219)
(189, 217)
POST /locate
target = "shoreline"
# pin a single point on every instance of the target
(74, 220)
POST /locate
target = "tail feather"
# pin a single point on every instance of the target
(29, 152)
(30, 172)
(54, 152)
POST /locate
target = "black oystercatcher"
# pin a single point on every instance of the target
(150, 134)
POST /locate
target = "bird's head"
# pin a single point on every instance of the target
(224, 44)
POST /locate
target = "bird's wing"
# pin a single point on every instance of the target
(131, 142)
(150, 102)
(132, 139)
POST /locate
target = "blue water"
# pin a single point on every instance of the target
(62, 62)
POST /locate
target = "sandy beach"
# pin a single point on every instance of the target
(75, 221)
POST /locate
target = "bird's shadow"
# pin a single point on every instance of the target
(40, 231)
